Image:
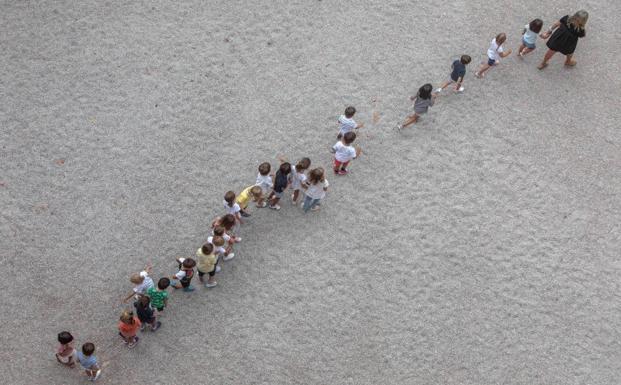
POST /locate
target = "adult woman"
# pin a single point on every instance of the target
(567, 31)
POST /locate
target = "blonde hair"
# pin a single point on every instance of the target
(127, 317)
(136, 278)
(578, 20)
(256, 191)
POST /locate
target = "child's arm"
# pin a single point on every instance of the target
(282, 158)
(359, 125)
(126, 299)
(149, 268)
(505, 53)
(358, 151)
(459, 81)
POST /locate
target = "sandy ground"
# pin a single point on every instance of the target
(480, 247)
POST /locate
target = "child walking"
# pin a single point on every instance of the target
(264, 180)
(529, 37)
(206, 264)
(88, 361)
(183, 278)
(145, 314)
(298, 177)
(316, 188)
(253, 193)
(128, 328)
(344, 153)
(281, 182)
(142, 282)
(65, 352)
(347, 123)
(458, 71)
(494, 53)
(423, 99)
(159, 296)
(231, 206)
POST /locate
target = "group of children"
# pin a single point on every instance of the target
(426, 97)
(307, 185)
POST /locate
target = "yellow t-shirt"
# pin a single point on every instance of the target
(244, 197)
(205, 263)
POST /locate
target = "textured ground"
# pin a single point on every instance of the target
(480, 247)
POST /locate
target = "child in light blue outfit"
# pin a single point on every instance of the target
(88, 361)
(529, 37)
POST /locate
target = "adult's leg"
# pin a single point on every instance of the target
(546, 58)
(569, 61)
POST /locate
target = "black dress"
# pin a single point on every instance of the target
(565, 38)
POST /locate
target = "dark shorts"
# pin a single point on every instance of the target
(491, 62)
(211, 273)
(160, 308)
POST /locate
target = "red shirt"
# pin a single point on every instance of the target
(129, 330)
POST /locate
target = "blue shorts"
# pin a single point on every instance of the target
(491, 62)
(528, 45)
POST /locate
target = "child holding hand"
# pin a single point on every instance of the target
(494, 53)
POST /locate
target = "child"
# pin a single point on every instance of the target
(298, 178)
(264, 180)
(231, 206)
(184, 276)
(207, 262)
(281, 182)
(494, 53)
(159, 296)
(347, 123)
(142, 282)
(128, 326)
(344, 152)
(458, 71)
(253, 193)
(88, 361)
(529, 37)
(145, 314)
(219, 250)
(65, 351)
(227, 222)
(422, 101)
(316, 188)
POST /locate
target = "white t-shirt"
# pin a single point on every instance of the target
(217, 250)
(494, 50)
(265, 182)
(146, 284)
(225, 236)
(316, 191)
(180, 274)
(297, 178)
(232, 210)
(343, 153)
(346, 125)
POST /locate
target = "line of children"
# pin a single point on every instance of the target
(150, 301)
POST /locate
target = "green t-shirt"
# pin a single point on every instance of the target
(157, 297)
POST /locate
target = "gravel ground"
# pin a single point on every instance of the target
(479, 247)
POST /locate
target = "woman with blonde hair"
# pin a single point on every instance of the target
(567, 31)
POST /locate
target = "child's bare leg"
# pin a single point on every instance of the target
(410, 120)
(527, 50)
(274, 201)
(482, 70)
(444, 85)
(546, 58)
(294, 198)
(519, 52)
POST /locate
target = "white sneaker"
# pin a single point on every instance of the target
(399, 127)
(97, 374)
(275, 207)
(210, 285)
(229, 257)
(439, 90)
(218, 268)
(461, 89)
(237, 239)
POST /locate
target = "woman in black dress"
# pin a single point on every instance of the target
(567, 31)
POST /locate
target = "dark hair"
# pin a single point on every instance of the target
(465, 59)
(316, 175)
(227, 221)
(163, 283)
(218, 230)
(229, 197)
(425, 91)
(207, 247)
(264, 168)
(88, 348)
(144, 300)
(304, 163)
(285, 168)
(350, 111)
(65, 337)
(349, 137)
(189, 263)
(536, 25)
